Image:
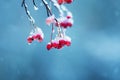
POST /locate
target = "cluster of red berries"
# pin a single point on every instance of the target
(64, 1)
(59, 43)
(62, 22)
(65, 22)
(36, 35)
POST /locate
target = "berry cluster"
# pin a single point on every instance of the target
(59, 43)
(62, 21)
(65, 22)
(35, 34)
(64, 1)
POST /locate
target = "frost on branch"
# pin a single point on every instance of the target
(61, 23)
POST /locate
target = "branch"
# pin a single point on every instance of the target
(23, 3)
(47, 7)
(34, 3)
(27, 12)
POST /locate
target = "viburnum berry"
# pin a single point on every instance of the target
(38, 37)
(63, 24)
(68, 43)
(59, 46)
(60, 2)
(30, 39)
(54, 44)
(62, 42)
(64, 1)
(69, 24)
(49, 46)
(68, 1)
(68, 17)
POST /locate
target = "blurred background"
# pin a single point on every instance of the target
(93, 55)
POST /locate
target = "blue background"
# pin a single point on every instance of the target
(93, 55)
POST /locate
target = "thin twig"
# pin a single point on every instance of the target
(23, 3)
(34, 3)
(48, 8)
(52, 32)
(28, 13)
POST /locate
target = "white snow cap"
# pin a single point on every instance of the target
(35, 8)
(39, 31)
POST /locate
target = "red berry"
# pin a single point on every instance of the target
(38, 37)
(60, 2)
(30, 39)
(63, 24)
(59, 47)
(68, 17)
(68, 1)
(68, 43)
(55, 45)
(69, 24)
(34, 37)
(49, 46)
(62, 42)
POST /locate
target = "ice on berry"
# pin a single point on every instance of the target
(50, 20)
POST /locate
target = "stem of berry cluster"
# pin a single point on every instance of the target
(34, 3)
(59, 31)
(32, 21)
(52, 32)
(50, 14)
